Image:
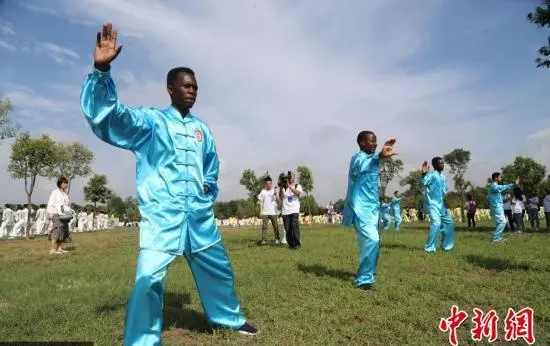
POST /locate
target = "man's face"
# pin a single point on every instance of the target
(499, 178)
(183, 91)
(439, 165)
(268, 185)
(369, 143)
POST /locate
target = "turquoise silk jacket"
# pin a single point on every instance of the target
(175, 158)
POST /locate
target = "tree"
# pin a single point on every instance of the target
(412, 180)
(132, 209)
(251, 183)
(8, 128)
(29, 159)
(479, 195)
(531, 173)
(74, 161)
(96, 190)
(339, 205)
(116, 206)
(311, 207)
(458, 160)
(389, 169)
(305, 178)
(541, 17)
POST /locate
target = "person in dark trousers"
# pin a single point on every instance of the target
(471, 209)
(291, 212)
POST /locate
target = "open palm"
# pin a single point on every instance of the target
(425, 168)
(387, 149)
(106, 49)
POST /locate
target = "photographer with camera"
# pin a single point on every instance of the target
(268, 199)
(290, 192)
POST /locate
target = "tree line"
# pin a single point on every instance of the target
(534, 181)
(31, 158)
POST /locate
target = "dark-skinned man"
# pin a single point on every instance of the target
(177, 183)
(435, 190)
(362, 207)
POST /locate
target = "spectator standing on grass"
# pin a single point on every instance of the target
(268, 199)
(546, 206)
(471, 209)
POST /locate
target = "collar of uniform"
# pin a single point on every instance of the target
(177, 115)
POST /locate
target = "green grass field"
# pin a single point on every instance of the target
(302, 297)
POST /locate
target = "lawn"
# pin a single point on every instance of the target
(302, 297)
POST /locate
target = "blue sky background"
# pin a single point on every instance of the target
(283, 84)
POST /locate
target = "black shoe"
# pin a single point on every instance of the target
(365, 287)
(248, 330)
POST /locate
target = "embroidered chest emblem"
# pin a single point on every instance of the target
(198, 135)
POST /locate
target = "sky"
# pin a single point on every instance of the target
(285, 83)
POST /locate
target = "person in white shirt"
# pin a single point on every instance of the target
(41, 220)
(507, 206)
(518, 208)
(8, 221)
(533, 211)
(330, 212)
(268, 199)
(82, 220)
(291, 211)
(18, 229)
(60, 213)
(546, 206)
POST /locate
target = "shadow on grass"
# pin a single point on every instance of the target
(176, 313)
(321, 270)
(399, 246)
(498, 264)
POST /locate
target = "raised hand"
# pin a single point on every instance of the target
(425, 167)
(106, 50)
(387, 149)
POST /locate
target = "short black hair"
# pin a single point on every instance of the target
(495, 175)
(362, 135)
(173, 73)
(61, 180)
(435, 159)
(266, 179)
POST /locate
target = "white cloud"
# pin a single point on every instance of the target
(61, 55)
(6, 28)
(6, 45)
(284, 84)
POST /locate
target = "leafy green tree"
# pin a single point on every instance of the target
(74, 161)
(541, 17)
(458, 161)
(305, 178)
(8, 128)
(29, 159)
(96, 191)
(389, 169)
(530, 172)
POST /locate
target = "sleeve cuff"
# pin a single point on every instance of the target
(101, 74)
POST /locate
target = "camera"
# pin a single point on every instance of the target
(284, 179)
